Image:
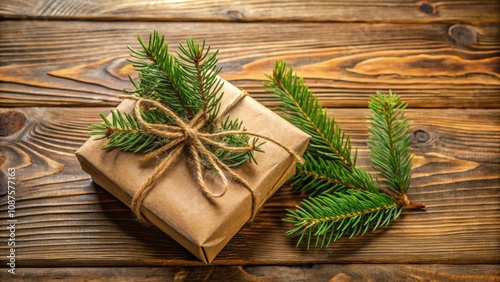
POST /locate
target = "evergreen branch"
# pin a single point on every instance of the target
(185, 86)
(302, 109)
(318, 176)
(126, 133)
(344, 199)
(161, 78)
(389, 141)
(331, 216)
(234, 159)
(200, 72)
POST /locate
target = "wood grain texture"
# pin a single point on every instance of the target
(66, 220)
(319, 272)
(63, 62)
(50, 63)
(255, 10)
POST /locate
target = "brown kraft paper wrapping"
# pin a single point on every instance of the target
(177, 204)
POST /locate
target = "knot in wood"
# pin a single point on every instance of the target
(11, 122)
(463, 35)
(235, 15)
(427, 8)
(421, 136)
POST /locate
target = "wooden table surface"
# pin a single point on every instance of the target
(64, 62)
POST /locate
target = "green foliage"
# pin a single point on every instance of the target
(124, 132)
(318, 176)
(389, 142)
(234, 159)
(302, 109)
(186, 84)
(200, 74)
(160, 77)
(331, 216)
(344, 199)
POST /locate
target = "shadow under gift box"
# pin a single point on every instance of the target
(177, 205)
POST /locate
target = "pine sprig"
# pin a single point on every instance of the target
(200, 73)
(344, 199)
(124, 132)
(318, 176)
(331, 216)
(234, 159)
(389, 142)
(187, 85)
(302, 109)
(159, 77)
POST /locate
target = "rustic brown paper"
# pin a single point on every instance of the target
(177, 204)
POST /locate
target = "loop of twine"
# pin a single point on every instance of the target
(187, 135)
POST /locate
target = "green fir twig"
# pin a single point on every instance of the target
(351, 213)
(344, 200)
(186, 84)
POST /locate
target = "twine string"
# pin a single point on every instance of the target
(186, 135)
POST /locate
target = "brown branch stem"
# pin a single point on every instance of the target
(406, 203)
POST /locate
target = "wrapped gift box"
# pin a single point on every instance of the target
(177, 205)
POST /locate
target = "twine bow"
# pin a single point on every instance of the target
(187, 135)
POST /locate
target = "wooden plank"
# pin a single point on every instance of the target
(319, 272)
(66, 220)
(254, 10)
(48, 63)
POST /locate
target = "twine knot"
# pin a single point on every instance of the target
(186, 135)
(190, 133)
